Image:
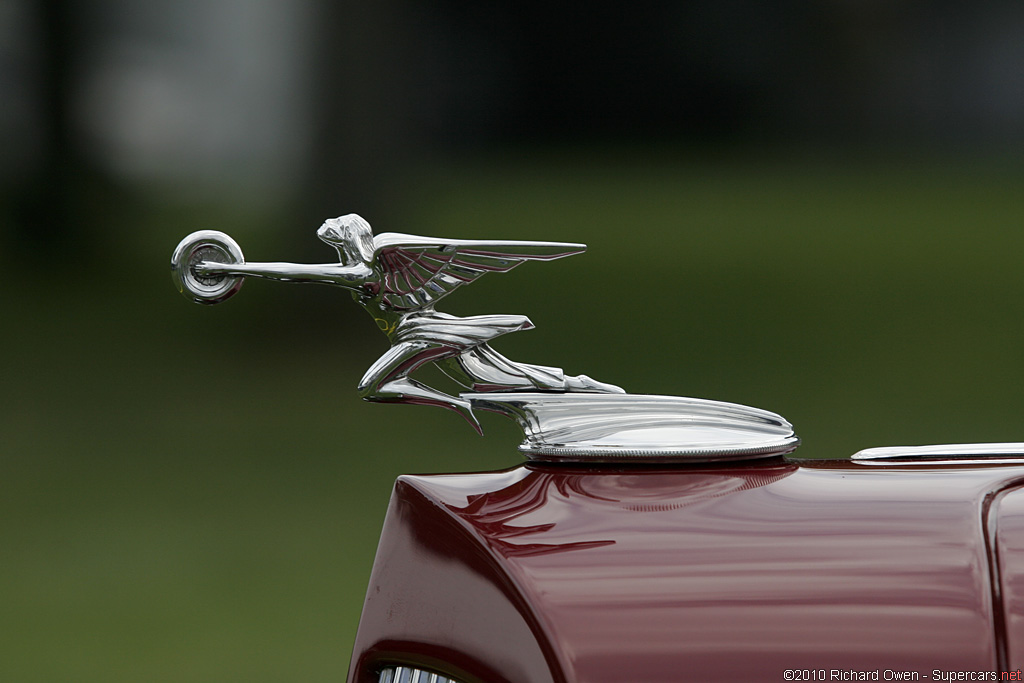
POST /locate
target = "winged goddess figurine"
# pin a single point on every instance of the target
(398, 279)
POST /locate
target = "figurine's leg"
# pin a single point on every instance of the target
(481, 368)
(582, 383)
(387, 379)
(484, 369)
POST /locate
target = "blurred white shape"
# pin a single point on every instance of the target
(203, 95)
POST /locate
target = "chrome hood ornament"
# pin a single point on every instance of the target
(399, 278)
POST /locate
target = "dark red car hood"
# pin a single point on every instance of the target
(728, 573)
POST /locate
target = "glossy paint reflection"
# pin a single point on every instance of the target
(727, 573)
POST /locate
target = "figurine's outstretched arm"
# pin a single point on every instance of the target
(325, 273)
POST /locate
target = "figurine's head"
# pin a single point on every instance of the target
(351, 236)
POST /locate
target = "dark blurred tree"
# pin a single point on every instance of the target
(53, 205)
(362, 132)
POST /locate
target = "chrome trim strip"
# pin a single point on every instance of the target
(408, 674)
(960, 452)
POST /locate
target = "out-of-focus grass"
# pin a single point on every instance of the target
(194, 493)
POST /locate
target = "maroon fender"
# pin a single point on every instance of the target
(703, 573)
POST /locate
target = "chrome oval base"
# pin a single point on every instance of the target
(580, 427)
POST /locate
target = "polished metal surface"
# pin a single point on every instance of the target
(408, 674)
(398, 279)
(206, 246)
(731, 572)
(960, 452)
(610, 427)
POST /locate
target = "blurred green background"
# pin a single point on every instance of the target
(820, 216)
